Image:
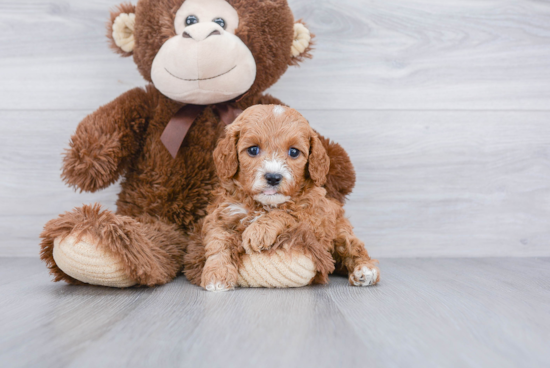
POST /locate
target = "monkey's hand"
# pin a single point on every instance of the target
(92, 161)
(105, 140)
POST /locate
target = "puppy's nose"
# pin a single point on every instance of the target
(273, 179)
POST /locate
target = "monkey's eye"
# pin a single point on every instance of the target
(293, 152)
(254, 151)
(220, 21)
(192, 19)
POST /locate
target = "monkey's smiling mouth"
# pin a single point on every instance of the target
(199, 79)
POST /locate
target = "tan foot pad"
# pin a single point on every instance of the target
(276, 270)
(86, 262)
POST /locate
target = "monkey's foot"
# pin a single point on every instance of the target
(87, 261)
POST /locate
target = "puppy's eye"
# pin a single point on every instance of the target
(293, 152)
(192, 19)
(220, 21)
(254, 151)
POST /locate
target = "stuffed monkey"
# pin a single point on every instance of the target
(205, 62)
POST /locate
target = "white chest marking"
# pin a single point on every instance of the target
(235, 209)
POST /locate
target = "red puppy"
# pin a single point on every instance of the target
(272, 168)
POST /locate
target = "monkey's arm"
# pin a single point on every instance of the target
(104, 141)
(341, 176)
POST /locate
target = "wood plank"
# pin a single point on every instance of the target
(424, 313)
(422, 54)
(31, 190)
(397, 54)
(429, 183)
(433, 183)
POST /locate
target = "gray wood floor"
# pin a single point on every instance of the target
(486, 312)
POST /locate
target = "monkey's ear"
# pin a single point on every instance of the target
(302, 43)
(120, 29)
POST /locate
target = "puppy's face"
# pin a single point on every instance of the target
(270, 152)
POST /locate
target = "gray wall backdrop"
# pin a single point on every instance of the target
(444, 106)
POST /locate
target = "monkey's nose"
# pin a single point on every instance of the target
(200, 33)
(273, 179)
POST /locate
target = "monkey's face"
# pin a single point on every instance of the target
(205, 63)
(209, 51)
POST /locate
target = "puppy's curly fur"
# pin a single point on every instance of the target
(272, 167)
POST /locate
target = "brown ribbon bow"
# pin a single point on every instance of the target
(179, 125)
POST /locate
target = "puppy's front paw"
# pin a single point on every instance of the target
(364, 275)
(217, 283)
(257, 238)
(217, 276)
(218, 286)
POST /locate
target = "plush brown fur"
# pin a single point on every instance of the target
(238, 222)
(161, 197)
(150, 250)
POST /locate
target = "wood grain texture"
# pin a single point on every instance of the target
(424, 313)
(31, 190)
(454, 183)
(399, 54)
(431, 183)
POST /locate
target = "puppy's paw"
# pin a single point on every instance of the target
(218, 286)
(217, 276)
(214, 283)
(364, 275)
(257, 238)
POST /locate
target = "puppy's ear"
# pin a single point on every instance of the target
(319, 162)
(225, 154)
(120, 29)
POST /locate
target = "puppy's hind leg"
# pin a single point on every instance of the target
(353, 257)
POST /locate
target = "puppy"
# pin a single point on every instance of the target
(272, 167)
